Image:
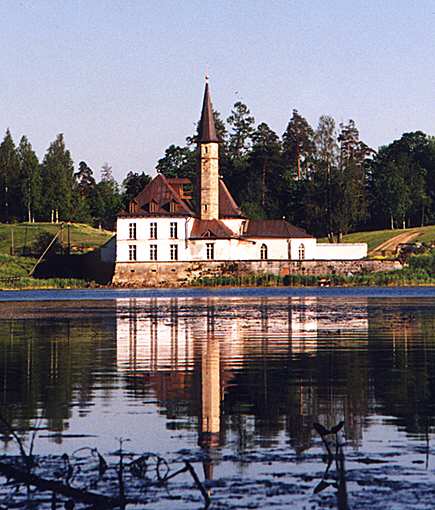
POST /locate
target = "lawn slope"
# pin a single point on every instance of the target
(376, 238)
(23, 235)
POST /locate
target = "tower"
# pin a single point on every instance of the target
(209, 162)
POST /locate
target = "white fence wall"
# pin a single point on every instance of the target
(341, 251)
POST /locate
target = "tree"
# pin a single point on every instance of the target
(85, 179)
(178, 162)
(318, 206)
(265, 170)
(106, 203)
(298, 145)
(132, 185)
(30, 180)
(106, 172)
(9, 179)
(348, 193)
(84, 188)
(58, 181)
(402, 180)
(241, 123)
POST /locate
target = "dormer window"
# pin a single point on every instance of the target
(153, 207)
(132, 207)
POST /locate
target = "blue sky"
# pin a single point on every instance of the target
(124, 79)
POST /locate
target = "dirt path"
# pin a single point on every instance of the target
(391, 244)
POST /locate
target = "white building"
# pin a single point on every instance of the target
(162, 224)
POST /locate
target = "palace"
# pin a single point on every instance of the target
(163, 224)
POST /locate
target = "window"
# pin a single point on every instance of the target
(132, 231)
(263, 252)
(174, 251)
(153, 207)
(153, 230)
(132, 252)
(172, 207)
(210, 251)
(173, 234)
(153, 251)
(301, 252)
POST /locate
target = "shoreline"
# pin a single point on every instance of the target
(97, 287)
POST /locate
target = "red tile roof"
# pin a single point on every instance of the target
(159, 198)
(213, 229)
(161, 191)
(227, 205)
(273, 228)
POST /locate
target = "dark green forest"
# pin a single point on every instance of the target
(325, 179)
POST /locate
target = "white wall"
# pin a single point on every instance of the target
(143, 239)
(341, 251)
(309, 244)
(234, 224)
(224, 249)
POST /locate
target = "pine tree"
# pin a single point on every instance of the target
(241, 123)
(265, 169)
(298, 145)
(58, 181)
(178, 162)
(9, 179)
(84, 188)
(319, 204)
(349, 197)
(132, 185)
(30, 181)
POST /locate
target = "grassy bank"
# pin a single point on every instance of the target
(14, 274)
(22, 238)
(376, 237)
(393, 279)
(17, 238)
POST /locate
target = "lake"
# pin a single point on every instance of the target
(233, 380)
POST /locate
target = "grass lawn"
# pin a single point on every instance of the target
(14, 270)
(376, 237)
(14, 273)
(83, 237)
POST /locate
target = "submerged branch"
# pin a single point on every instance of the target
(43, 484)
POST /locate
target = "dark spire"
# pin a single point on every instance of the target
(207, 129)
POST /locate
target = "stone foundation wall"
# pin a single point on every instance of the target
(178, 274)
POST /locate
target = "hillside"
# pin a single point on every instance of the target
(23, 236)
(379, 240)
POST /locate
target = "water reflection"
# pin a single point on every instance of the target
(241, 373)
(251, 369)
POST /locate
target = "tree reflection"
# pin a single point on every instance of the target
(254, 370)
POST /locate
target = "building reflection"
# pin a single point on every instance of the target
(221, 360)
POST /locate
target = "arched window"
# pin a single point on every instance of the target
(301, 252)
(263, 252)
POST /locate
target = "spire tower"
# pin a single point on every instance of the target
(209, 162)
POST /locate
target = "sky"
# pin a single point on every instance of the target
(124, 79)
